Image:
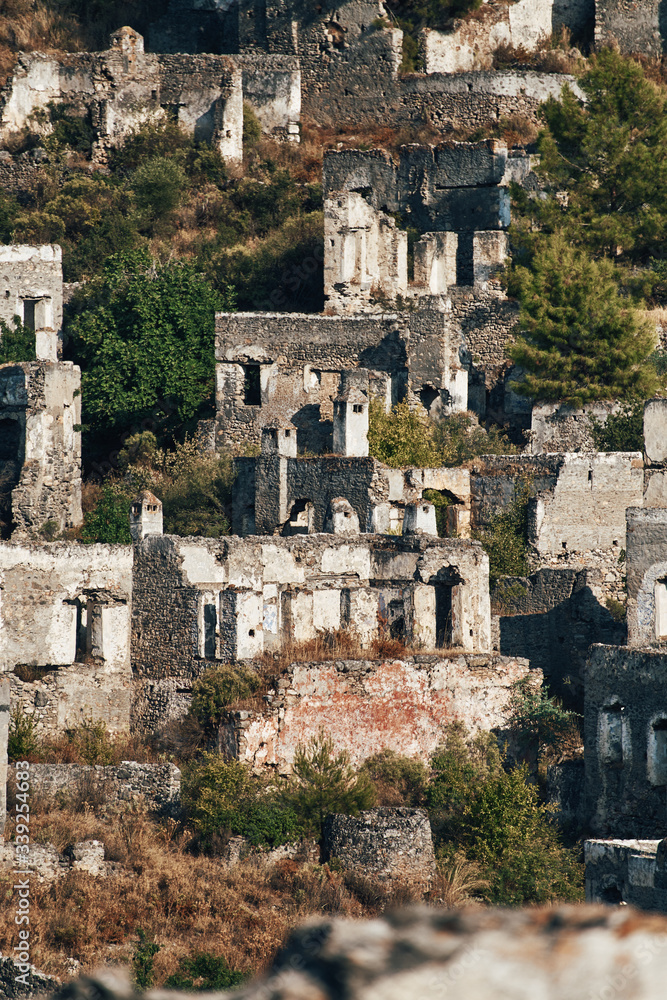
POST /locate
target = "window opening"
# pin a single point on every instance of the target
(252, 387)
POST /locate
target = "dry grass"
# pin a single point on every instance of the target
(184, 902)
(457, 884)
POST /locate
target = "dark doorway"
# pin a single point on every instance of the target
(210, 625)
(252, 386)
(443, 616)
(612, 895)
(29, 313)
(396, 619)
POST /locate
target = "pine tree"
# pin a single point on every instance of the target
(580, 340)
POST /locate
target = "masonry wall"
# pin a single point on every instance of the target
(31, 287)
(646, 572)
(156, 787)
(633, 26)
(629, 871)
(625, 715)
(40, 407)
(551, 618)
(368, 706)
(65, 623)
(196, 601)
(4, 736)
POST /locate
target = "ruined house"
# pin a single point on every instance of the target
(65, 632)
(31, 288)
(121, 88)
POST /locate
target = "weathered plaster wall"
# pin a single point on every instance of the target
(65, 610)
(646, 559)
(40, 407)
(31, 287)
(4, 736)
(368, 706)
(631, 871)
(267, 488)
(562, 427)
(472, 43)
(624, 735)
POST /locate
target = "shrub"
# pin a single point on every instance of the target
(204, 971)
(17, 342)
(506, 539)
(539, 721)
(325, 782)
(494, 817)
(143, 961)
(252, 128)
(109, 522)
(459, 438)
(622, 431)
(23, 742)
(158, 186)
(216, 689)
(401, 437)
(398, 780)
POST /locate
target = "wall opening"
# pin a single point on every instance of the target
(611, 895)
(661, 609)
(252, 386)
(300, 519)
(443, 616)
(396, 619)
(657, 752)
(611, 734)
(29, 308)
(210, 629)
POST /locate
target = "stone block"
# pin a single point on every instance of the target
(655, 431)
(382, 843)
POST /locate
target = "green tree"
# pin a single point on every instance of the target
(401, 437)
(605, 163)
(580, 341)
(17, 342)
(109, 522)
(539, 721)
(621, 431)
(158, 186)
(143, 334)
(493, 815)
(325, 782)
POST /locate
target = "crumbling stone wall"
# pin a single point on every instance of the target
(196, 601)
(552, 618)
(155, 787)
(40, 447)
(369, 705)
(646, 560)
(286, 367)
(65, 623)
(625, 735)
(4, 736)
(32, 280)
(628, 871)
(631, 25)
(267, 488)
(471, 44)
(123, 87)
(382, 843)
(563, 427)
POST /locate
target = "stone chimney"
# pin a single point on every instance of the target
(420, 519)
(145, 516)
(350, 423)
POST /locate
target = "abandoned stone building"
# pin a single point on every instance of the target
(119, 89)
(32, 289)
(65, 632)
(40, 447)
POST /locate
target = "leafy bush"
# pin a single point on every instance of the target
(204, 971)
(506, 539)
(195, 489)
(143, 334)
(398, 780)
(459, 438)
(494, 817)
(622, 431)
(218, 687)
(539, 721)
(222, 798)
(158, 186)
(17, 342)
(325, 782)
(252, 128)
(401, 437)
(23, 741)
(109, 522)
(143, 961)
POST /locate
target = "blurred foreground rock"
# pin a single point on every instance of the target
(568, 953)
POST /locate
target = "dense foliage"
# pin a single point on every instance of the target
(17, 342)
(506, 538)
